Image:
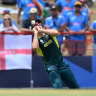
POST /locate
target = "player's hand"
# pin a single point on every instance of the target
(10, 28)
(39, 28)
(71, 32)
(35, 31)
(82, 31)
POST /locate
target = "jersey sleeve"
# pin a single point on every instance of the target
(1, 28)
(54, 38)
(20, 5)
(86, 12)
(39, 51)
(13, 21)
(92, 25)
(62, 21)
(47, 23)
(86, 19)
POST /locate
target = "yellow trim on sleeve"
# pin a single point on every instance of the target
(54, 38)
(39, 52)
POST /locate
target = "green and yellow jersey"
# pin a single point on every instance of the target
(49, 50)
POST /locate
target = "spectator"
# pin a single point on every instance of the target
(7, 12)
(85, 9)
(93, 28)
(26, 5)
(77, 22)
(46, 9)
(7, 25)
(67, 6)
(55, 21)
(28, 23)
(33, 15)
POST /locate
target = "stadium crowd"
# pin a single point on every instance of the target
(71, 16)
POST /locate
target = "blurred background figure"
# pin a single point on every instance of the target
(26, 5)
(33, 15)
(85, 9)
(93, 28)
(77, 22)
(55, 21)
(46, 9)
(4, 13)
(7, 25)
(67, 6)
(89, 3)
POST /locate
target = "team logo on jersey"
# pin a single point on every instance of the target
(41, 41)
(80, 19)
(48, 43)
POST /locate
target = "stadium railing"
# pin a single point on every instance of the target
(89, 41)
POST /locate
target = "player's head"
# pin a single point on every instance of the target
(33, 13)
(36, 22)
(78, 6)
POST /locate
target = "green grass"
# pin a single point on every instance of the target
(47, 92)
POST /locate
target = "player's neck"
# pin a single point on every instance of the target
(77, 13)
(54, 17)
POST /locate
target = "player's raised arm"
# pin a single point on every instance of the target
(49, 31)
(26, 30)
(35, 44)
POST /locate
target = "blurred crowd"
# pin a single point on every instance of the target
(71, 16)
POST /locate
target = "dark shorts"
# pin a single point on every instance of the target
(77, 47)
(54, 67)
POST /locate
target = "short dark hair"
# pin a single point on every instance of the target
(38, 21)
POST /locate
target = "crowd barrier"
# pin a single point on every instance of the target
(84, 71)
(88, 40)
